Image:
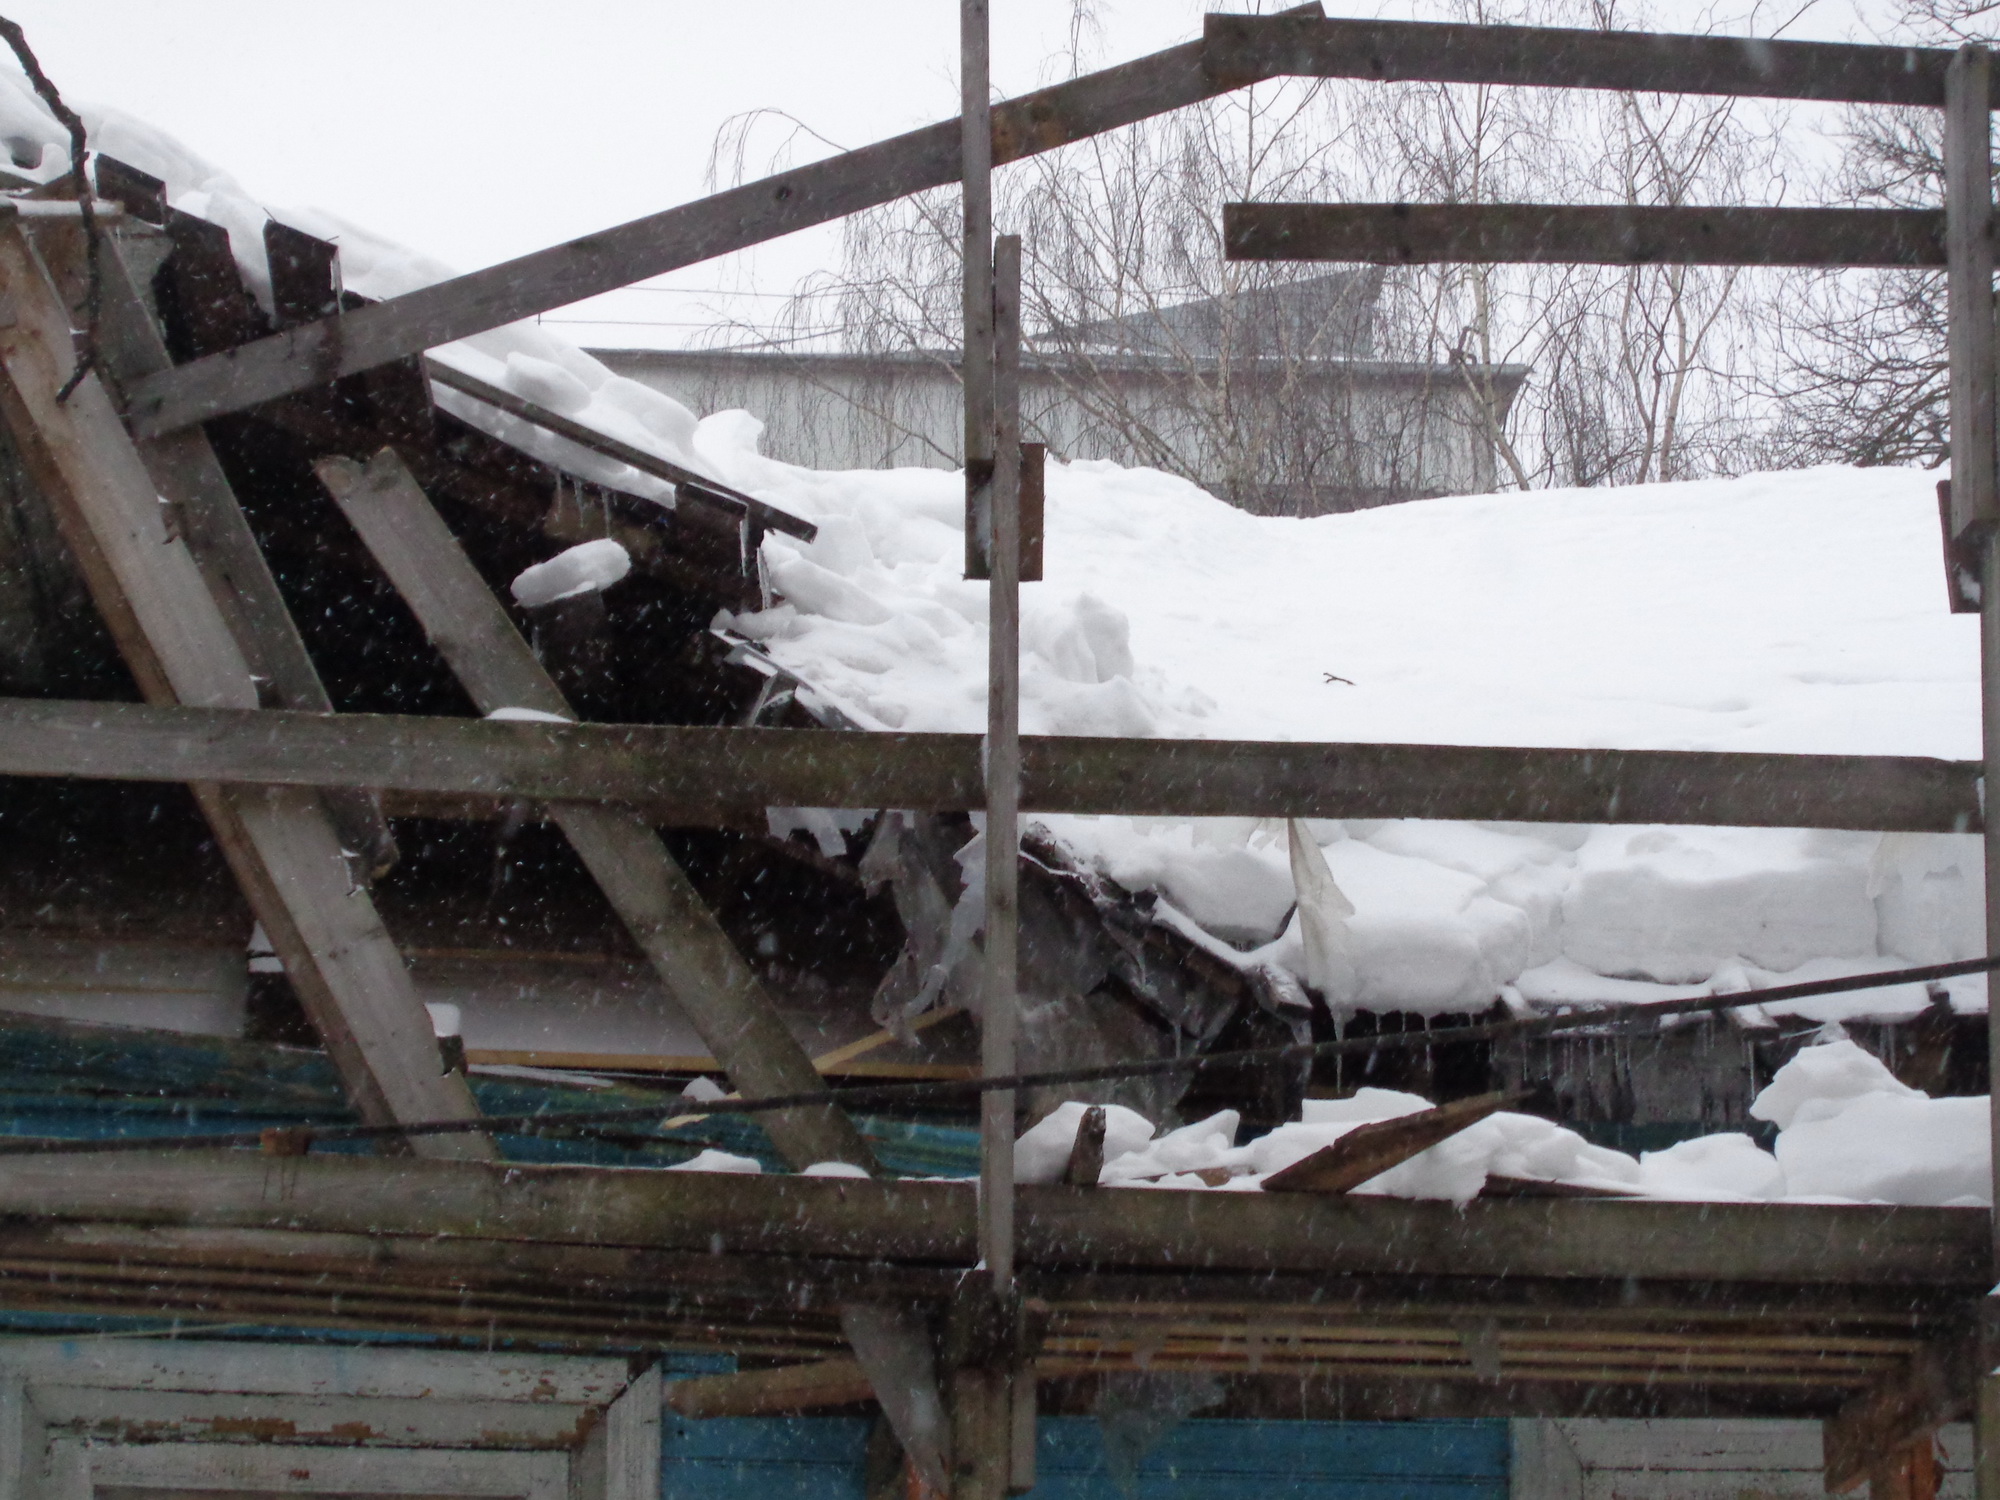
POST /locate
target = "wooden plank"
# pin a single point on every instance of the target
(976, 374)
(281, 845)
(695, 960)
(817, 193)
(1000, 954)
(1245, 48)
(917, 1223)
(1582, 234)
(186, 1416)
(189, 478)
(1937, 1387)
(759, 1393)
(1372, 1149)
(1086, 1153)
(765, 515)
(698, 775)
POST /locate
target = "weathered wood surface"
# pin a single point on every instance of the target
(1242, 48)
(1936, 1387)
(1372, 1149)
(697, 775)
(765, 515)
(1968, 211)
(757, 1393)
(189, 478)
(733, 220)
(700, 967)
(724, 1215)
(1582, 234)
(281, 845)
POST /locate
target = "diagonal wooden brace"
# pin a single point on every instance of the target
(695, 960)
(280, 842)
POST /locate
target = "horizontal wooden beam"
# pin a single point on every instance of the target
(705, 775)
(760, 1393)
(931, 1223)
(1582, 234)
(1244, 48)
(818, 193)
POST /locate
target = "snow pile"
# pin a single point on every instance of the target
(584, 569)
(1847, 1132)
(1799, 612)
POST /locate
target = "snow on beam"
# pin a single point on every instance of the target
(702, 775)
(1246, 48)
(1589, 234)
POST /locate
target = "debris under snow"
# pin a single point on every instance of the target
(1847, 1132)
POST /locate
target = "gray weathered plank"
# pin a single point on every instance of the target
(189, 478)
(734, 220)
(1968, 143)
(696, 961)
(724, 1215)
(1244, 48)
(1582, 234)
(281, 845)
(695, 775)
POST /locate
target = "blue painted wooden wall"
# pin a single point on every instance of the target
(820, 1458)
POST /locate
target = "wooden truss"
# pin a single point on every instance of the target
(1860, 1315)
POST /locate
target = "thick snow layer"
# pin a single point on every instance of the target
(1790, 612)
(1848, 1132)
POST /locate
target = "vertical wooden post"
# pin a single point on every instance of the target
(1968, 208)
(976, 144)
(1969, 336)
(1003, 781)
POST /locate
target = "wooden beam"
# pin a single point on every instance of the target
(209, 520)
(725, 1216)
(697, 775)
(762, 1393)
(817, 193)
(1247, 48)
(1582, 234)
(282, 847)
(695, 960)
(1895, 1415)
(1372, 1149)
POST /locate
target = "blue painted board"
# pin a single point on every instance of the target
(821, 1458)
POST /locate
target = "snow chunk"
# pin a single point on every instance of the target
(834, 1169)
(712, 1160)
(1676, 904)
(1820, 1080)
(587, 568)
(528, 716)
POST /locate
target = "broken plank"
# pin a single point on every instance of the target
(1372, 1149)
(759, 1393)
(695, 960)
(1255, 47)
(280, 843)
(277, 365)
(1086, 1152)
(1582, 234)
(698, 774)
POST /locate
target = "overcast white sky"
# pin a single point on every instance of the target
(476, 130)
